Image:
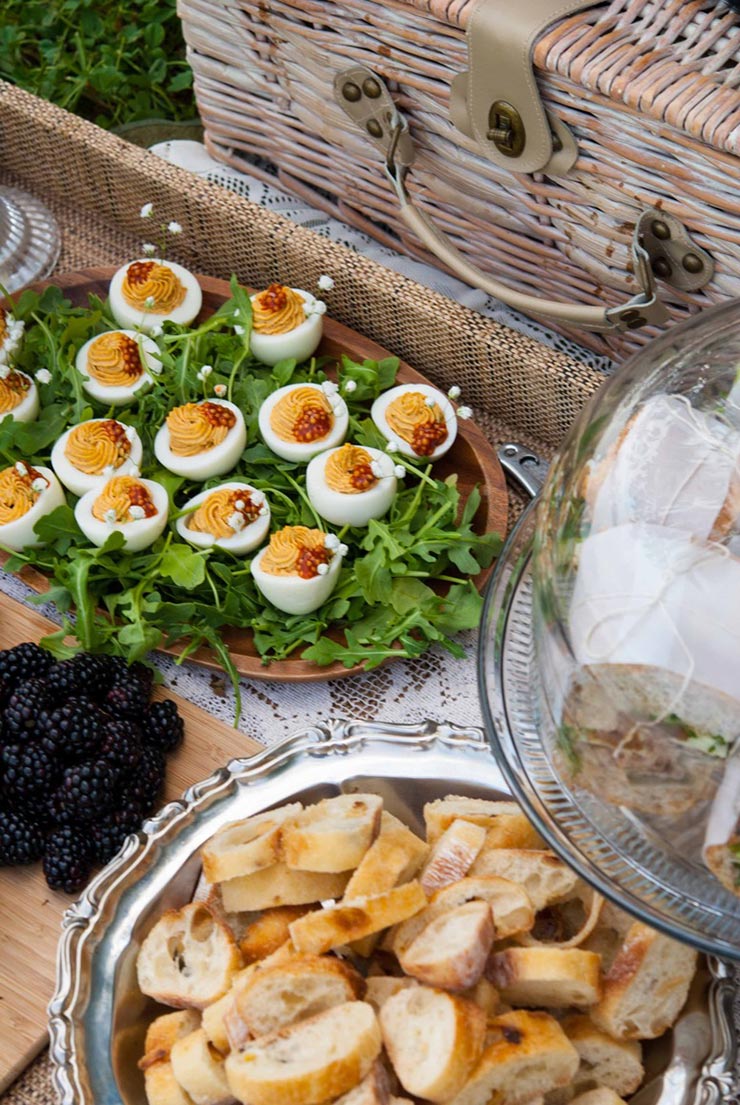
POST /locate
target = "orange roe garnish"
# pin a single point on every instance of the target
(312, 423)
(427, 437)
(274, 298)
(218, 415)
(308, 560)
(138, 272)
(362, 477)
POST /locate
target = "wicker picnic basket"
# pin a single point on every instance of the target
(648, 89)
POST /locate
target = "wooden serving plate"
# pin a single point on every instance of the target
(30, 913)
(472, 457)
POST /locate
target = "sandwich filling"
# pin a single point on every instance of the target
(277, 310)
(296, 551)
(151, 286)
(94, 447)
(418, 421)
(197, 427)
(302, 415)
(349, 470)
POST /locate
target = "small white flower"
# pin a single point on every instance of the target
(399, 471)
(376, 469)
(43, 376)
(464, 412)
(325, 283)
(235, 313)
(351, 385)
(4, 369)
(322, 569)
(319, 307)
(110, 515)
(146, 211)
(174, 228)
(257, 497)
(149, 249)
(21, 468)
(331, 541)
(240, 504)
(137, 512)
(392, 446)
(342, 550)
(39, 485)
(429, 401)
(219, 390)
(149, 302)
(263, 511)
(206, 370)
(454, 392)
(236, 521)
(238, 330)
(329, 387)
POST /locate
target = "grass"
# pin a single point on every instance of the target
(113, 63)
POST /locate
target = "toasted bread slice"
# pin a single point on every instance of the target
(332, 835)
(288, 992)
(433, 1039)
(214, 1022)
(244, 847)
(485, 994)
(528, 1054)
(453, 855)
(188, 959)
(615, 1064)
(451, 951)
(351, 920)
(310, 1062)
(161, 1087)
(566, 924)
(265, 934)
(199, 1068)
(553, 978)
(381, 987)
(372, 1090)
(278, 886)
(545, 878)
(646, 986)
(165, 1031)
(602, 1095)
(505, 824)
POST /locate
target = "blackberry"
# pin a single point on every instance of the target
(146, 784)
(21, 839)
(121, 747)
(109, 833)
(25, 704)
(86, 790)
(94, 674)
(64, 680)
(77, 728)
(68, 860)
(130, 692)
(31, 770)
(162, 726)
(23, 662)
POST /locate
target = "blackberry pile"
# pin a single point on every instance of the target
(82, 759)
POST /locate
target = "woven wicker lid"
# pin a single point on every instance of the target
(676, 61)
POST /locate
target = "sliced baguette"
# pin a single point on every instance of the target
(602, 1095)
(164, 1032)
(485, 994)
(188, 959)
(199, 1068)
(372, 1090)
(351, 920)
(310, 1062)
(505, 824)
(527, 1055)
(566, 924)
(433, 1040)
(452, 950)
(615, 1064)
(646, 986)
(161, 1087)
(453, 855)
(333, 835)
(302, 986)
(215, 1020)
(265, 934)
(244, 847)
(543, 876)
(279, 886)
(381, 987)
(553, 978)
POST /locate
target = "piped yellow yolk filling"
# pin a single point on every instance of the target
(224, 513)
(119, 496)
(151, 286)
(302, 415)
(277, 310)
(114, 360)
(196, 427)
(348, 470)
(13, 390)
(296, 551)
(416, 421)
(95, 446)
(17, 491)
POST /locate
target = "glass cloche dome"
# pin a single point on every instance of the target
(610, 656)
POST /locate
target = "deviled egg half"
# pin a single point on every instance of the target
(299, 569)
(417, 419)
(137, 508)
(145, 293)
(19, 395)
(26, 495)
(116, 365)
(301, 420)
(286, 322)
(233, 516)
(201, 440)
(93, 451)
(351, 484)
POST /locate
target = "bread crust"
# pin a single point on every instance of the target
(279, 886)
(164, 1032)
(451, 951)
(551, 978)
(199, 1069)
(351, 920)
(453, 855)
(614, 1064)
(246, 846)
(332, 835)
(188, 958)
(313, 982)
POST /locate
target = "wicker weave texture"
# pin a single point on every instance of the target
(649, 87)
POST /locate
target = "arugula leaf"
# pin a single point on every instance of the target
(184, 566)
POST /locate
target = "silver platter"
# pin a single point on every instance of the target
(29, 239)
(98, 1016)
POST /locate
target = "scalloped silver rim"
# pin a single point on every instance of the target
(719, 1081)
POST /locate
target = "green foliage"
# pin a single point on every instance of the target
(404, 584)
(112, 62)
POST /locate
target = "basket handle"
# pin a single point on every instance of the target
(363, 96)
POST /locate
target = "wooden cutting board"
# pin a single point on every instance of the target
(30, 913)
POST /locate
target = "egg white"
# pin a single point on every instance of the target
(294, 595)
(240, 543)
(213, 462)
(342, 509)
(125, 393)
(28, 408)
(19, 534)
(381, 404)
(300, 342)
(80, 482)
(298, 450)
(126, 315)
(138, 534)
